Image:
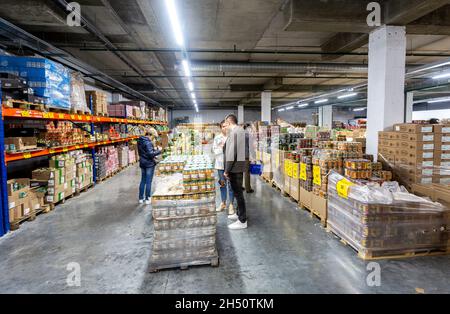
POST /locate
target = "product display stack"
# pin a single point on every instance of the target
(123, 153)
(184, 217)
(99, 102)
(386, 221)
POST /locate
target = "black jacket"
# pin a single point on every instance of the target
(147, 152)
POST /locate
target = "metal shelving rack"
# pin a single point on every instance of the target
(38, 115)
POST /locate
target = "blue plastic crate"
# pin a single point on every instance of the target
(256, 169)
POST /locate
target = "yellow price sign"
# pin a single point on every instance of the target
(51, 151)
(303, 171)
(65, 150)
(61, 115)
(317, 176)
(25, 113)
(287, 167)
(27, 155)
(80, 117)
(98, 119)
(342, 188)
(51, 115)
(72, 116)
(77, 147)
(86, 145)
(45, 115)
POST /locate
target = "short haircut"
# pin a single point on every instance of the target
(221, 123)
(233, 118)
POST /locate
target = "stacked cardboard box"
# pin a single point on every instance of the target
(20, 143)
(84, 173)
(99, 102)
(410, 151)
(441, 173)
(123, 153)
(18, 198)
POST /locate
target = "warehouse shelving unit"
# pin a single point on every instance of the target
(15, 113)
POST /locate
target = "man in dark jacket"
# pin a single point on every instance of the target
(236, 162)
(147, 154)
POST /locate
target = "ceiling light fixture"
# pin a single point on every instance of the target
(187, 70)
(281, 110)
(347, 95)
(175, 22)
(193, 96)
(303, 105)
(321, 101)
(191, 86)
(436, 66)
(359, 109)
(441, 76)
(290, 108)
(438, 100)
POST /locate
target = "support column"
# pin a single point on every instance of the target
(240, 114)
(266, 104)
(386, 89)
(327, 117)
(409, 107)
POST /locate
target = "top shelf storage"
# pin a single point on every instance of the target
(35, 114)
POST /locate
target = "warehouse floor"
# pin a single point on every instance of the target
(282, 251)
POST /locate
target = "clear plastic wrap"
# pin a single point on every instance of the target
(378, 222)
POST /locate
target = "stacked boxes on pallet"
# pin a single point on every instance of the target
(380, 223)
(185, 222)
(23, 200)
(84, 170)
(48, 79)
(99, 102)
(77, 94)
(107, 161)
(123, 153)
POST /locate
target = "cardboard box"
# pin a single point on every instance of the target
(417, 137)
(415, 153)
(56, 163)
(414, 161)
(441, 128)
(15, 213)
(295, 189)
(445, 146)
(20, 143)
(51, 175)
(413, 128)
(441, 179)
(54, 198)
(25, 182)
(442, 138)
(305, 197)
(319, 206)
(416, 145)
(287, 185)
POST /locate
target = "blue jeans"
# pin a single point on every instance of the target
(146, 182)
(223, 189)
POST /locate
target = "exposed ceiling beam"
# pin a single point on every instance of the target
(396, 12)
(284, 88)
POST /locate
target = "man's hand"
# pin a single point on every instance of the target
(226, 176)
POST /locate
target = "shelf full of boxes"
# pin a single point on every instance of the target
(61, 135)
(328, 173)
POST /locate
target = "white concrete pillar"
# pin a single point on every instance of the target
(409, 106)
(240, 114)
(386, 89)
(327, 117)
(266, 104)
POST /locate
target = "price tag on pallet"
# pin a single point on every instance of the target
(317, 177)
(303, 171)
(25, 113)
(342, 187)
(27, 155)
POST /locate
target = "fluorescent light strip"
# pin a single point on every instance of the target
(187, 70)
(289, 108)
(441, 76)
(193, 96)
(191, 86)
(435, 66)
(359, 109)
(281, 110)
(175, 22)
(321, 101)
(439, 100)
(347, 96)
(302, 105)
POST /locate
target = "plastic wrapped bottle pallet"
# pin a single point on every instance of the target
(383, 224)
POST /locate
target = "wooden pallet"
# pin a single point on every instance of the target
(101, 114)
(21, 104)
(213, 261)
(318, 215)
(81, 112)
(32, 216)
(53, 205)
(276, 186)
(370, 255)
(79, 191)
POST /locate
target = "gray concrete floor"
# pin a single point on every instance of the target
(282, 251)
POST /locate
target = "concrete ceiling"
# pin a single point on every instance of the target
(276, 31)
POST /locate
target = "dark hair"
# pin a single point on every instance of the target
(221, 123)
(233, 118)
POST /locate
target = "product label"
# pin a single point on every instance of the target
(427, 164)
(428, 146)
(12, 205)
(427, 155)
(445, 147)
(445, 164)
(428, 172)
(444, 180)
(397, 128)
(446, 139)
(428, 138)
(342, 188)
(426, 129)
(295, 170)
(445, 156)
(303, 171)
(317, 178)
(426, 180)
(446, 130)
(26, 211)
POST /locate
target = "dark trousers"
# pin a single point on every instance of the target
(236, 185)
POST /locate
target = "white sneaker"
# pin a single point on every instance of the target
(233, 217)
(238, 225)
(221, 207)
(149, 201)
(141, 201)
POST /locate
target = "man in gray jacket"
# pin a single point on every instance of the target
(236, 155)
